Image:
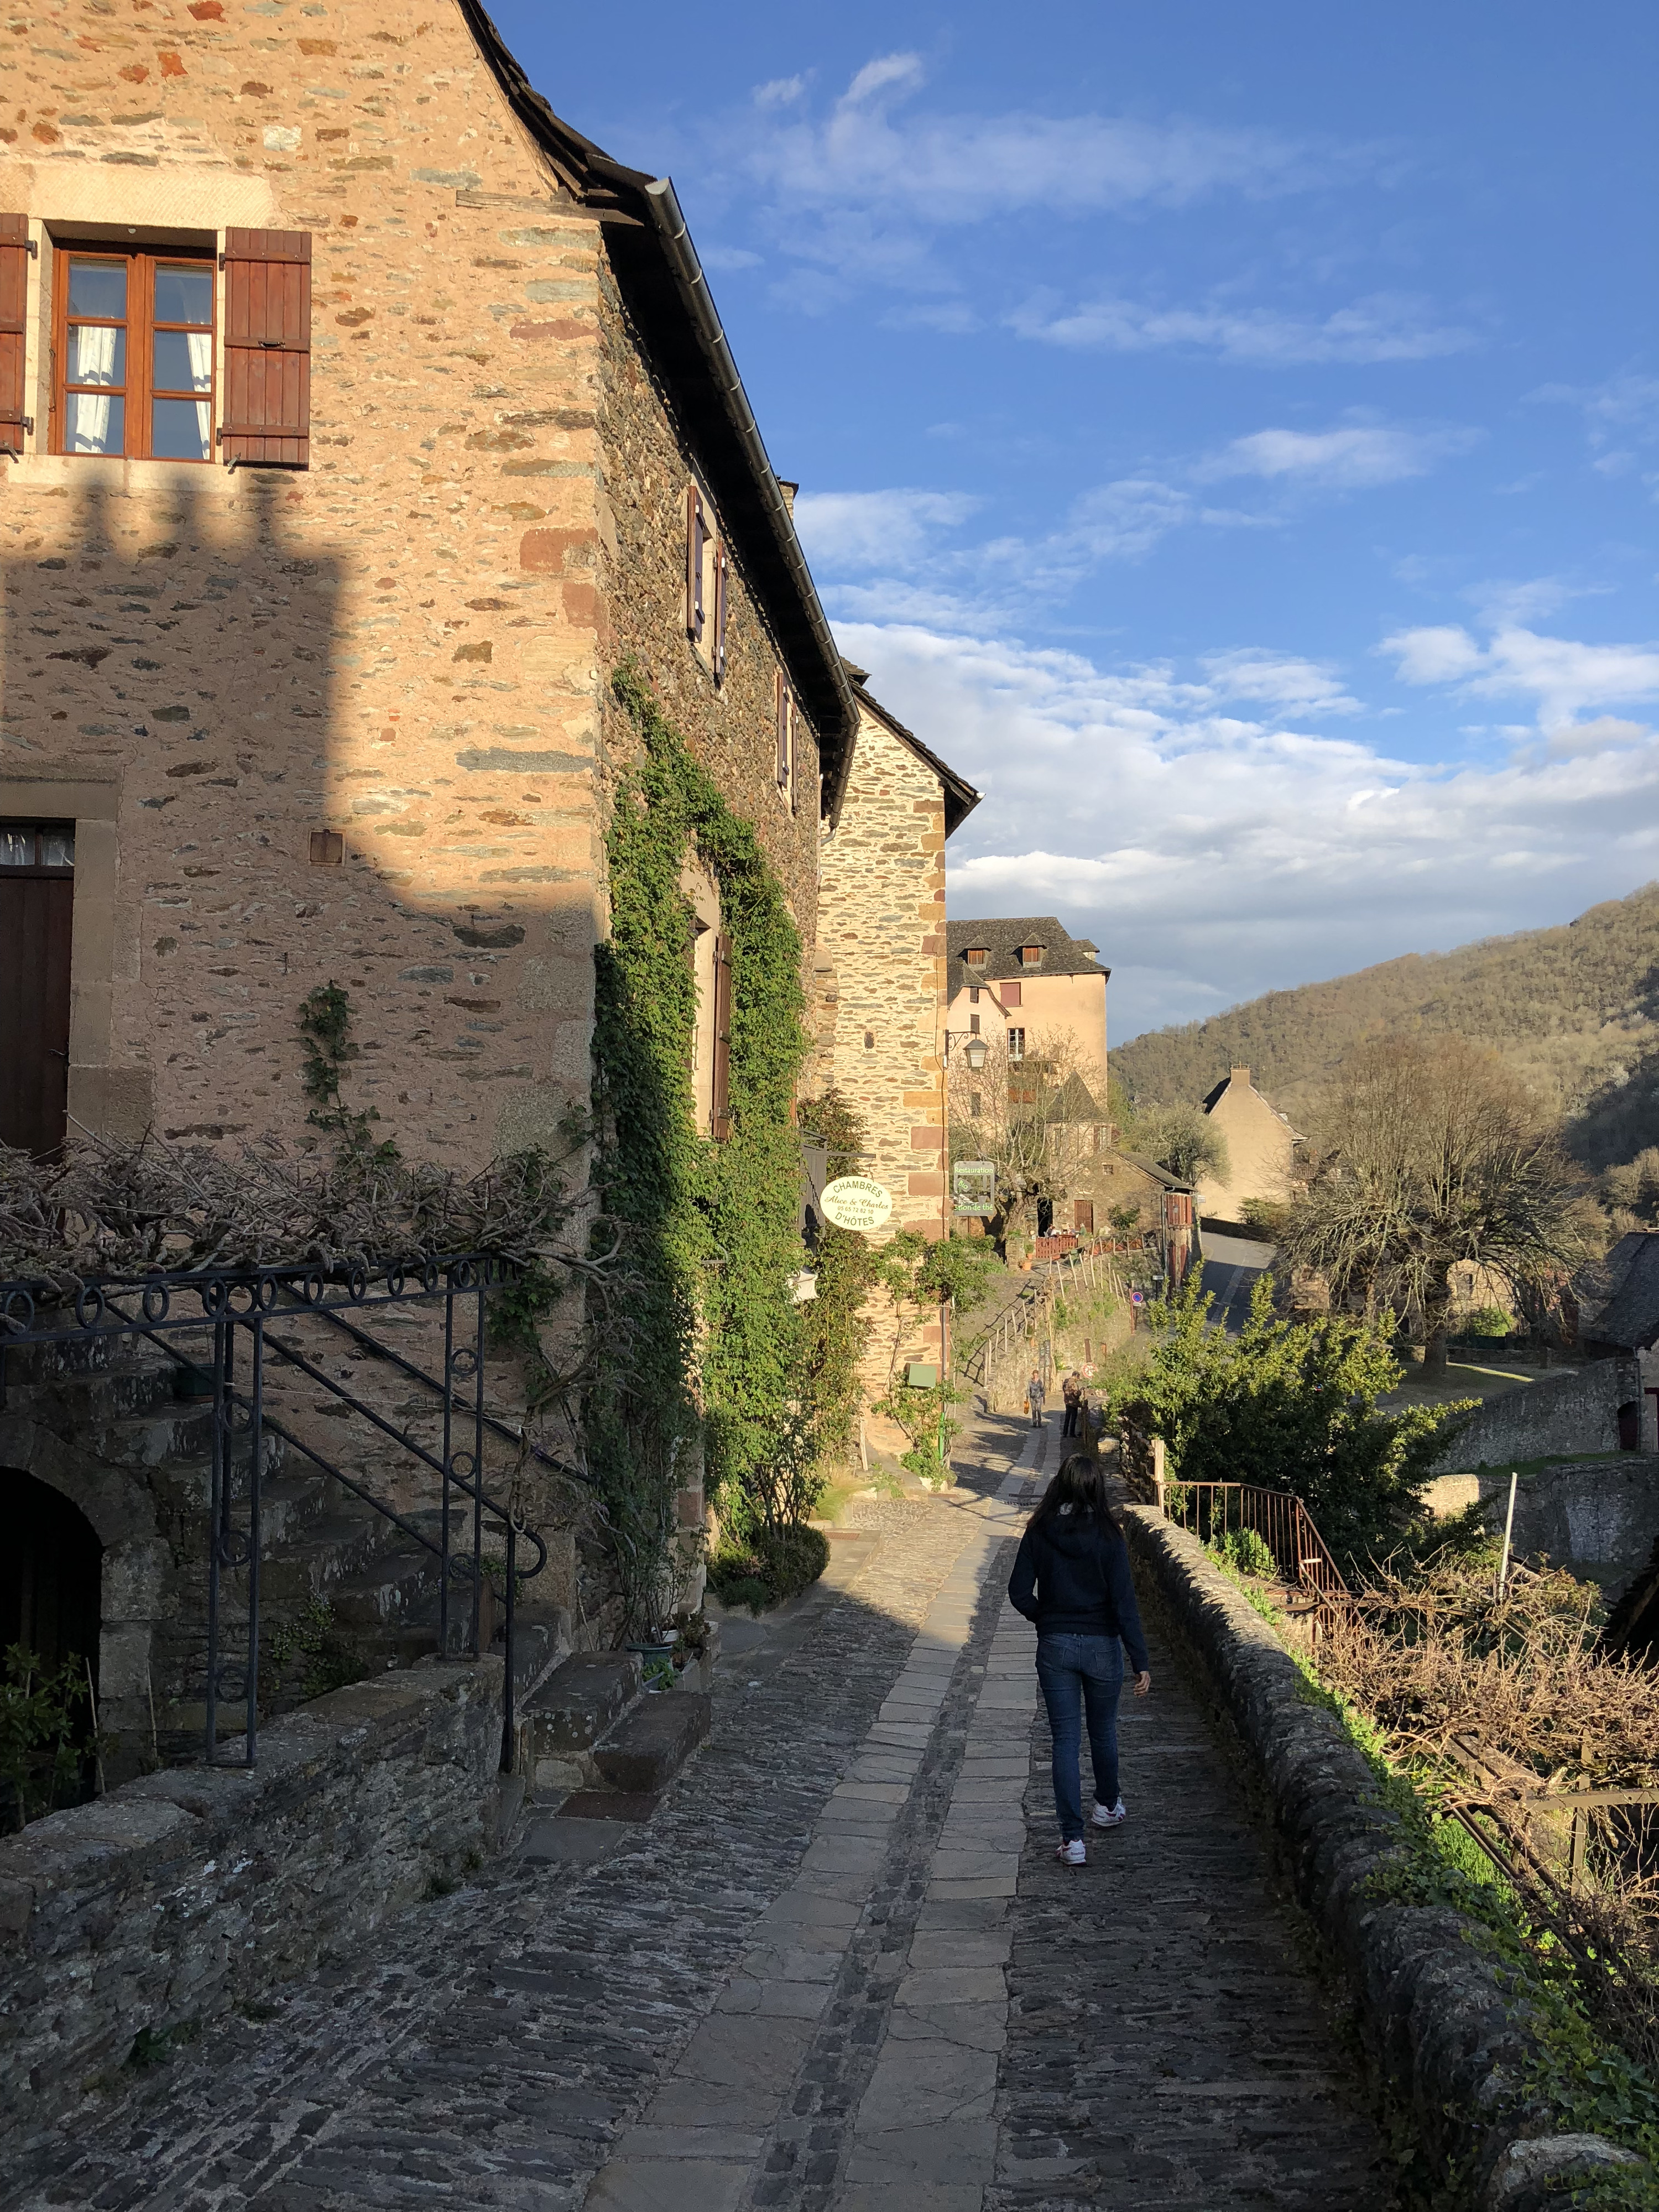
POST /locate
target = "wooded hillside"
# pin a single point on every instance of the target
(1574, 1010)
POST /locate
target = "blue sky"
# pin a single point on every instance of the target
(1230, 435)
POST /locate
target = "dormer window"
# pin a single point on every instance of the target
(976, 956)
(1031, 955)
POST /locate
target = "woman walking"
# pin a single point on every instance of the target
(1072, 1578)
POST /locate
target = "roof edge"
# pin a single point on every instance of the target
(593, 178)
(960, 796)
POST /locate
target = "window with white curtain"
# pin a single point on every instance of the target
(134, 355)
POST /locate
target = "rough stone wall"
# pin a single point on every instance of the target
(730, 726)
(880, 990)
(1600, 1518)
(401, 642)
(1575, 1410)
(177, 1897)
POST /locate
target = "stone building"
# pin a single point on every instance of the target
(881, 982)
(1030, 980)
(1262, 1149)
(361, 418)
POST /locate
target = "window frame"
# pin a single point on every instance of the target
(43, 826)
(976, 958)
(1016, 1051)
(138, 392)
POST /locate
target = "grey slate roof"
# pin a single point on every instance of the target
(1063, 955)
(1630, 1318)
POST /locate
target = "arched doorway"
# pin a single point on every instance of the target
(51, 1568)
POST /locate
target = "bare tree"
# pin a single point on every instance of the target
(1428, 1152)
(1032, 1116)
(1183, 1139)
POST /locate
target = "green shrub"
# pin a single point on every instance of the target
(1246, 1550)
(1487, 1321)
(772, 1566)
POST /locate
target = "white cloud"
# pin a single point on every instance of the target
(959, 168)
(870, 529)
(1564, 675)
(778, 91)
(1385, 326)
(720, 257)
(1347, 460)
(1213, 855)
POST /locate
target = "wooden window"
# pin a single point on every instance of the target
(785, 739)
(973, 1024)
(267, 417)
(697, 538)
(37, 914)
(15, 252)
(133, 354)
(973, 995)
(1011, 996)
(720, 1128)
(975, 1104)
(1015, 1044)
(1031, 955)
(976, 956)
(327, 848)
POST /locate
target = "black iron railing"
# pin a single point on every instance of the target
(238, 1308)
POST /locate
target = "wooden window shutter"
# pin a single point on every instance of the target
(13, 306)
(783, 731)
(693, 537)
(267, 398)
(720, 614)
(721, 1127)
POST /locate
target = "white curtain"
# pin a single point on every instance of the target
(94, 355)
(91, 433)
(201, 366)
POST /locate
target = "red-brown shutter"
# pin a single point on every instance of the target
(693, 536)
(267, 398)
(722, 1099)
(720, 614)
(13, 308)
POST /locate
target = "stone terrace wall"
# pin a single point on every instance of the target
(1574, 1411)
(176, 1897)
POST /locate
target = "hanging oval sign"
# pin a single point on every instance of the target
(856, 1202)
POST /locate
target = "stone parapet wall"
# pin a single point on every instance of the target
(1454, 2048)
(177, 1897)
(1574, 1411)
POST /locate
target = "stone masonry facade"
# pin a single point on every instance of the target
(408, 642)
(880, 1000)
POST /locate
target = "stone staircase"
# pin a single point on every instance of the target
(344, 1591)
(599, 1746)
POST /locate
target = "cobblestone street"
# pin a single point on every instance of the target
(840, 1968)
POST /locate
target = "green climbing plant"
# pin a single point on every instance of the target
(712, 1228)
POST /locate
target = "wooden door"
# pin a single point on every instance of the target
(37, 910)
(1083, 1211)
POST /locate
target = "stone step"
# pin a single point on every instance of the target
(579, 1700)
(648, 1746)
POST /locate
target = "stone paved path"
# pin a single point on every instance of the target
(837, 1970)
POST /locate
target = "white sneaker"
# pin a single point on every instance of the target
(1108, 1816)
(1072, 1854)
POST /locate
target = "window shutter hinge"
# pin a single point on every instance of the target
(35, 249)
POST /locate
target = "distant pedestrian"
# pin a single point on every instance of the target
(1072, 1578)
(1034, 1397)
(1072, 1391)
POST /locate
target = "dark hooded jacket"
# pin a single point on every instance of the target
(1073, 1579)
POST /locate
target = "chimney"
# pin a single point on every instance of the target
(788, 491)
(1240, 1075)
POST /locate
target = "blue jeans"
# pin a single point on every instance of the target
(1075, 1672)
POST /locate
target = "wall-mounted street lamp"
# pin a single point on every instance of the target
(973, 1049)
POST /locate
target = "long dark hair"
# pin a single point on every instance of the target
(1080, 1484)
